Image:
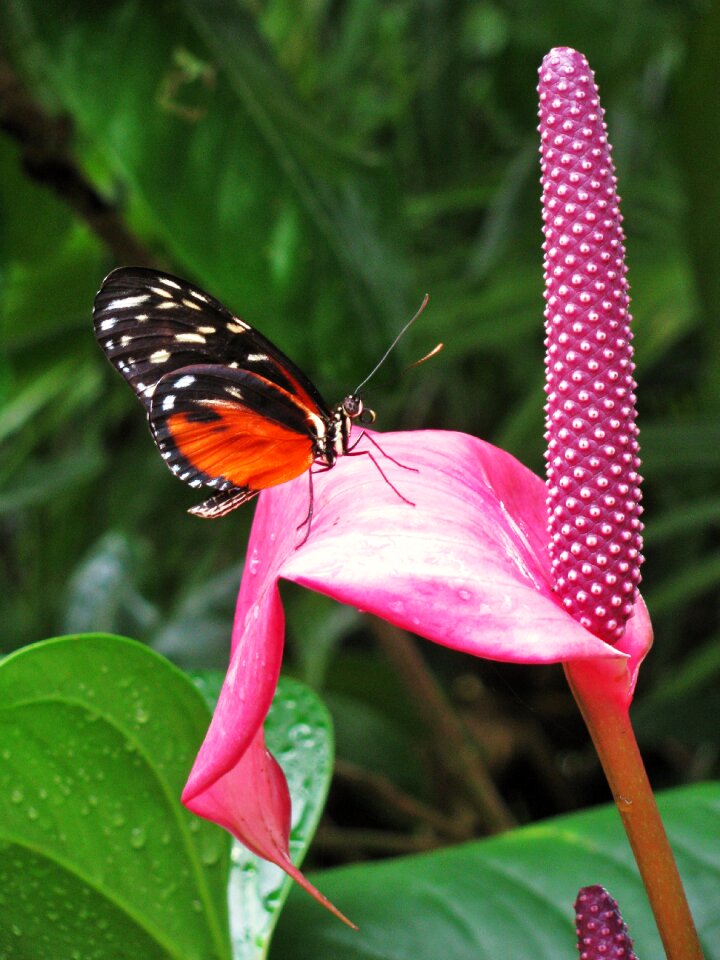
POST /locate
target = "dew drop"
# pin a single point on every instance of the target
(210, 857)
(138, 838)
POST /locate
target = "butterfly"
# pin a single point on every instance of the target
(226, 408)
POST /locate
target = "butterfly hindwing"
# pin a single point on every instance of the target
(150, 324)
(230, 429)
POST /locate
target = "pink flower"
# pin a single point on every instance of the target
(467, 567)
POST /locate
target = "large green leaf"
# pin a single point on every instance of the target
(192, 119)
(510, 896)
(97, 856)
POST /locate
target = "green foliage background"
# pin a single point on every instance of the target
(319, 166)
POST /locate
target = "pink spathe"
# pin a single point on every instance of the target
(466, 567)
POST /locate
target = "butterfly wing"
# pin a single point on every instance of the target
(227, 409)
(150, 324)
(230, 429)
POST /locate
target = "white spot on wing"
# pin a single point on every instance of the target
(185, 381)
(168, 401)
(234, 392)
(108, 323)
(159, 292)
(123, 303)
(190, 338)
(236, 326)
(160, 356)
(257, 357)
(170, 283)
(206, 329)
(124, 341)
(190, 304)
(199, 296)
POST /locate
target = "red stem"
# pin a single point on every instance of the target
(608, 721)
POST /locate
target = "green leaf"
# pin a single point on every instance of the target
(510, 896)
(337, 190)
(97, 856)
(214, 150)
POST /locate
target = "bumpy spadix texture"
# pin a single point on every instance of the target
(592, 456)
(601, 931)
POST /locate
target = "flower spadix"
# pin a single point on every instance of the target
(592, 454)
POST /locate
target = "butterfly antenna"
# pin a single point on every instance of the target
(394, 344)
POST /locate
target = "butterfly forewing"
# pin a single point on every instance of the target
(150, 324)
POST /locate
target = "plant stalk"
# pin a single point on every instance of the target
(608, 721)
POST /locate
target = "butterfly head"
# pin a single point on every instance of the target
(353, 408)
(337, 441)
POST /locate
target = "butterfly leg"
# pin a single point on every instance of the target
(311, 506)
(388, 481)
(308, 519)
(377, 446)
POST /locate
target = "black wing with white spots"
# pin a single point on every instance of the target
(150, 324)
(227, 409)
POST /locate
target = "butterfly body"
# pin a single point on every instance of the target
(226, 408)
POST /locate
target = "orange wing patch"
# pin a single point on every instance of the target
(243, 447)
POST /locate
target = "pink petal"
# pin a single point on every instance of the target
(252, 802)
(466, 567)
(248, 687)
(614, 680)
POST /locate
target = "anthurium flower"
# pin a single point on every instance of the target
(467, 566)
(459, 542)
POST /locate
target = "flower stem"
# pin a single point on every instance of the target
(609, 724)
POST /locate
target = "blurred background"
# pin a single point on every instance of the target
(319, 166)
